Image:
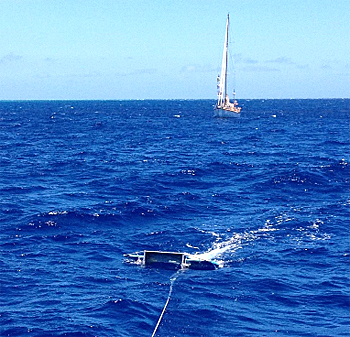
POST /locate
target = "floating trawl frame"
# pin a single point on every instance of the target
(171, 260)
(157, 258)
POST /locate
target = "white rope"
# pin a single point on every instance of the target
(166, 303)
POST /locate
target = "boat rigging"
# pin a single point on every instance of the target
(223, 107)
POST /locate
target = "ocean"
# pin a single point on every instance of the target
(266, 194)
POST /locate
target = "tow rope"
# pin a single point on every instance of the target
(172, 280)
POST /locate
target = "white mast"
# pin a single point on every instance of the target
(223, 77)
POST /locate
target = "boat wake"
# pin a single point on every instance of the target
(291, 233)
(221, 248)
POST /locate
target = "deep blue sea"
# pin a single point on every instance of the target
(267, 194)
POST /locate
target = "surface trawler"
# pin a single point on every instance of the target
(172, 260)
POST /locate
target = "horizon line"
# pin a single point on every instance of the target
(163, 99)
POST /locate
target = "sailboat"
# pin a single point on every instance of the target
(223, 107)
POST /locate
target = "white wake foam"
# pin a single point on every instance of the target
(221, 247)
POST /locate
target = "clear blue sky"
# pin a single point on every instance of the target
(169, 49)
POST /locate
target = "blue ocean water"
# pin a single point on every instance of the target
(268, 194)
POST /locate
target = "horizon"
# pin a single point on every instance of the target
(165, 50)
(171, 99)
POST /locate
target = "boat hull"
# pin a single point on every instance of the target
(226, 113)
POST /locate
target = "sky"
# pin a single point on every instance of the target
(172, 49)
